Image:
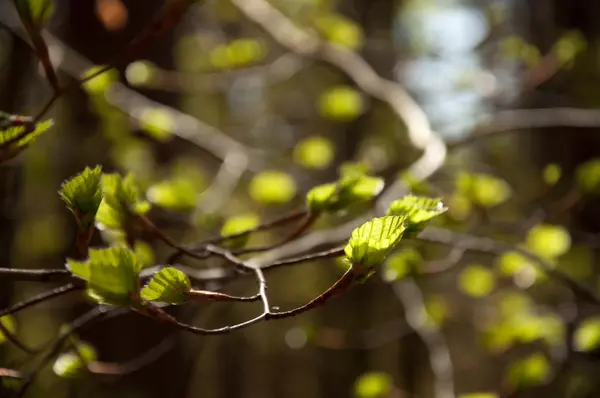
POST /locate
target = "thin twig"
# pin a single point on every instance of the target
(59, 291)
(329, 253)
(36, 275)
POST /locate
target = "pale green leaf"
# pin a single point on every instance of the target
(349, 190)
(15, 139)
(34, 13)
(272, 187)
(238, 224)
(476, 281)
(314, 152)
(552, 174)
(341, 103)
(418, 210)
(548, 241)
(169, 285)
(587, 335)
(403, 263)
(371, 243)
(588, 176)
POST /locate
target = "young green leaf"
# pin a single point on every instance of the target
(73, 363)
(34, 13)
(111, 274)
(419, 211)
(587, 335)
(169, 285)
(349, 190)
(272, 187)
(238, 224)
(15, 139)
(373, 385)
(120, 197)
(371, 243)
(548, 241)
(588, 176)
(82, 194)
(528, 372)
(401, 264)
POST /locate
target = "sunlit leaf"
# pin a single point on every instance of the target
(341, 103)
(34, 13)
(476, 281)
(373, 385)
(404, 263)
(8, 321)
(15, 139)
(272, 187)
(120, 197)
(371, 243)
(176, 194)
(111, 274)
(548, 241)
(528, 372)
(139, 73)
(74, 363)
(169, 285)
(587, 335)
(144, 253)
(349, 190)
(82, 194)
(314, 152)
(418, 210)
(238, 224)
(340, 31)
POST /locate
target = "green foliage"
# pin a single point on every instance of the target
(180, 192)
(483, 190)
(371, 243)
(158, 123)
(351, 189)
(568, 46)
(238, 53)
(111, 274)
(272, 187)
(548, 241)
(169, 285)
(476, 281)
(552, 174)
(238, 224)
(34, 13)
(74, 363)
(341, 103)
(587, 335)
(528, 372)
(314, 152)
(8, 321)
(340, 31)
(82, 194)
(419, 211)
(121, 197)
(15, 139)
(403, 263)
(100, 83)
(373, 385)
(144, 253)
(588, 176)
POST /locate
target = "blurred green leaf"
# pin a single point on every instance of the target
(144, 253)
(528, 372)
(548, 241)
(476, 281)
(111, 274)
(403, 263)
(237, 53)
(587, 335)
(169, 285)
(99, 84)
(340, 31)
(272, 187)
(373, 385)
(588, 176)
(552, 174)
(74, 363)
(82, 194)
(158, 123)
(350, 189)
(175, 194)
(418, 210)
(34, 13)
(9, 323)
(483, 190)
(238, 224)
(371, 243)
(569, 45)
(341, 103)
(314, 152)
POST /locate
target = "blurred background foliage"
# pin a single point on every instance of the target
(509, 329)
